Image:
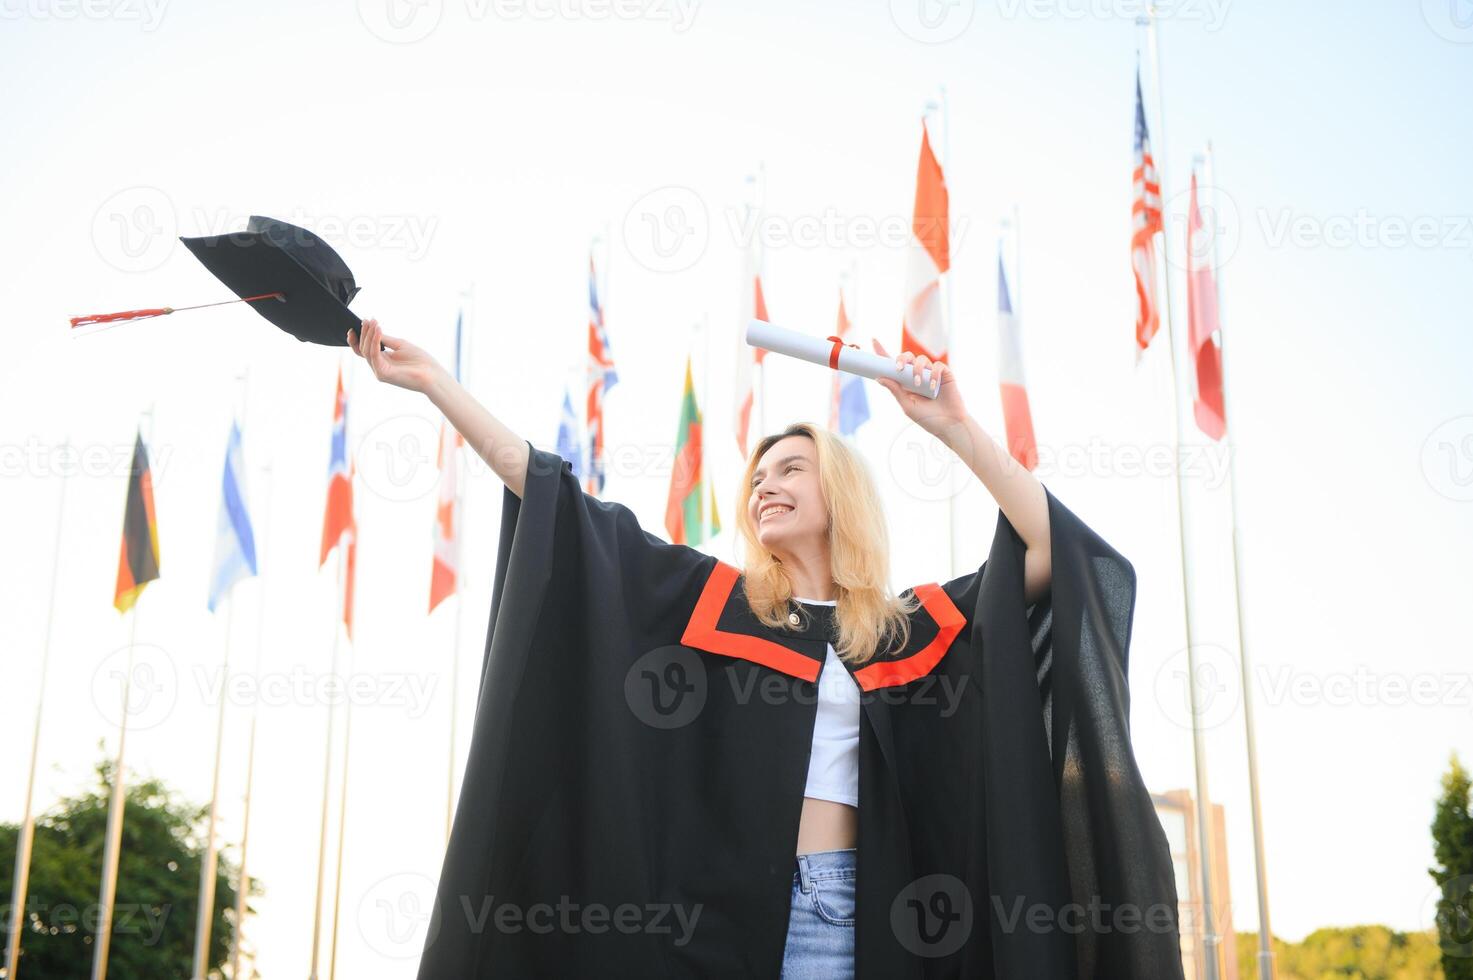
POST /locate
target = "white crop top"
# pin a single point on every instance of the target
(833, 763)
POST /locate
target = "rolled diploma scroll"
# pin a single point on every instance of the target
(852, 360)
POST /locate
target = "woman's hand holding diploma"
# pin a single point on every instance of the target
(1017, 492)
(406, 366)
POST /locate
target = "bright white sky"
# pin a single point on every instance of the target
(488, 147)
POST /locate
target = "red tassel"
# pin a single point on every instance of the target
(91, 318)
(82, 321)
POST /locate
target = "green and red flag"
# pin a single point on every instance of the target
(138, 562)
(685, 516)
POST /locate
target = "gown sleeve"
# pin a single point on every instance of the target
(585, 560)
(1070, 822)
(580, 592)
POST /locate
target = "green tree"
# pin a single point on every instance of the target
(1452, 842)
(1348, 953)
(157, 896)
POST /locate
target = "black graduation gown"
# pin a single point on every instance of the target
(631, 799)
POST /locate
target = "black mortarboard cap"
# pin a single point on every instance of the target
(271, 256)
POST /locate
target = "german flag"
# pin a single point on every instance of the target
(138, 563)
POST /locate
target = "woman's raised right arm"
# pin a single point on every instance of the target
(408, 366)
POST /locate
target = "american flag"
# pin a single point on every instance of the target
(338, 519)
(601, 377)
(1145, 213)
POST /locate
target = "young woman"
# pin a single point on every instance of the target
(904, 725)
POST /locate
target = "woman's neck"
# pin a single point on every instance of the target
(811, 577)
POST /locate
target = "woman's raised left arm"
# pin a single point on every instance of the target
(1017, 491)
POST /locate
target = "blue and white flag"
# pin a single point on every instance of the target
(235, 545)
(568, 446)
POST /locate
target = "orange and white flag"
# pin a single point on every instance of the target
(923, 328)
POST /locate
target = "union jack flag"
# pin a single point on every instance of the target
(601, 377)
(1145, 214)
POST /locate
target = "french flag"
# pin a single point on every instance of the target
(1017, 417)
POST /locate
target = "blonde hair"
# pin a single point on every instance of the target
(868, 615)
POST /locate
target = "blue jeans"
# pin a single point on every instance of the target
(820, 943)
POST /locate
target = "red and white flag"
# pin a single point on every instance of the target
(753, 306)
(923, 328)
(1145, 218)
(338, 515)
(1203, 325)
(1017, 417)
(446, 561)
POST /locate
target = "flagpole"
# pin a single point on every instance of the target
(114, 820)
(204, 917)
(457, 509)
(760, 367)
(245, 830)
(327, 755)
(946, 318)
(28, 825)
(1210, 939)
(205, 913)
(706, 475)
(337, 886)
(1016, 295)
(1265, 933)
(114, 840)
(347, 610)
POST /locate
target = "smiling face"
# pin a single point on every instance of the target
(786, 502)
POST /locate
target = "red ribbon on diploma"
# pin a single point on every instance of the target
(838, 346)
